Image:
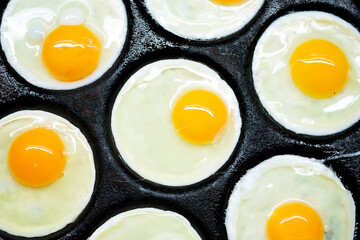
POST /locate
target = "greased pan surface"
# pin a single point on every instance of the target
(118, 188)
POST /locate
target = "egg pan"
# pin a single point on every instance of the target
(117, 187)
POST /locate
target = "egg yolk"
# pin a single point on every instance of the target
(228, 2)
(199, 116)
(295, 221)
(71, 52)
(36, 157)
(319, 68)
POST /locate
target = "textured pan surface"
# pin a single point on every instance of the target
(117, 188)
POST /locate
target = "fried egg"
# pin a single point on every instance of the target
(63, 44)
(47, 173)
(175, 122)
(306, 72)
(290, 197)
(203, 19)
(146, 223)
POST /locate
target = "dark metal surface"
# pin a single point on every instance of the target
(117, 188)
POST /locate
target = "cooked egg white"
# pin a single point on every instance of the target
(38, 211)
(175, 122)
(83, 47)
(146, 223)
(203, 19)
(290, 197)
(306, 72)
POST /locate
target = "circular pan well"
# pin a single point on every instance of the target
(23, 47)
(39, 211)
(262, 190)
(144, 223)
(143, 129)
(202, 20)
(272, 74)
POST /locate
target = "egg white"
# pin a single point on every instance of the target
(288, 177)
(153, 224)
(34, 212)
(26, 23)
(202, 19)
(144, 133)
(272, 76)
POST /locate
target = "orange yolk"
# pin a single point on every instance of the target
(71, 52)
(199, 116)
(228, 2)
(319, 68)
(295, 221)
(36, 157)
